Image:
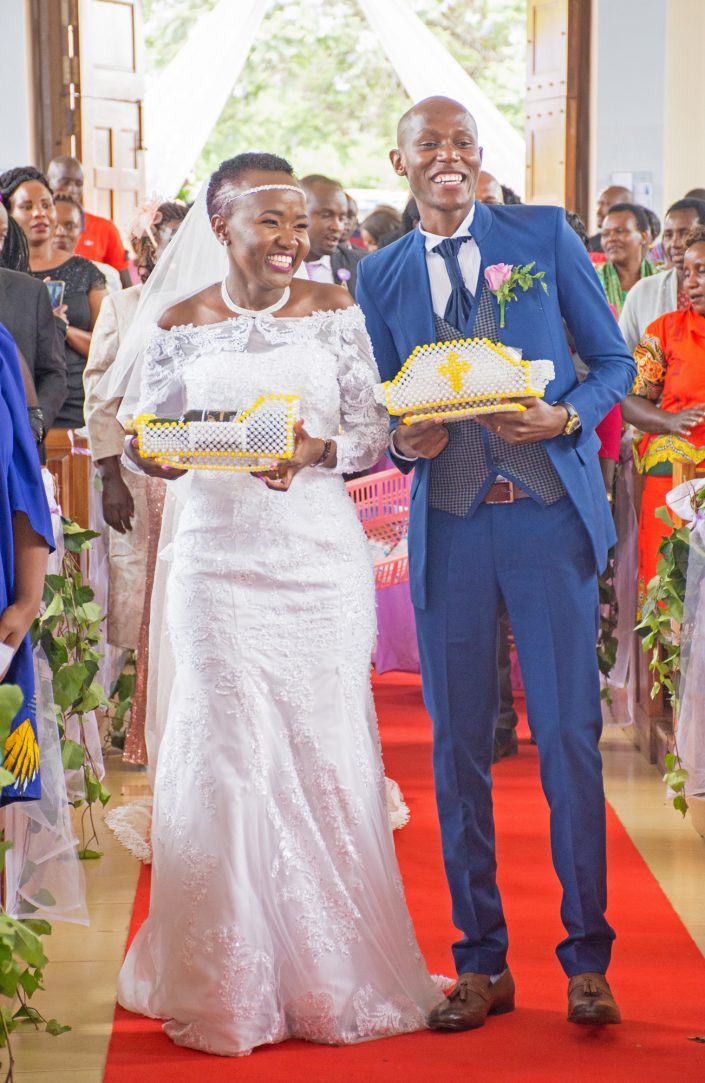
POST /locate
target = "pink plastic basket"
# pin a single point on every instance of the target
(382, 502)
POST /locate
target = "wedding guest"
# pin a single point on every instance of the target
(653, 296)
(327, 207)
(131, 502)
(14, 252)
(100, 239)
(351, 225)
(614, 193)
(409, 221)
(31, 204)
(478, 540)
(377, 224)
(25, 310)
(509, 197)
(26, 539)
(625, 240)
(696, 193)
(70, 222)
(667, 402)
(655, 252)
(489, 190)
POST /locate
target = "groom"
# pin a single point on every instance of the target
(506, 510)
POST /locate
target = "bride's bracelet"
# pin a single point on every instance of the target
(325, 454)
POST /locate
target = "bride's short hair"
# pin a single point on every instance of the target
(220, 195)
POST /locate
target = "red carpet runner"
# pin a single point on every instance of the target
(658, 974)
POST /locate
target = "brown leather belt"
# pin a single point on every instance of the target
(504, 492)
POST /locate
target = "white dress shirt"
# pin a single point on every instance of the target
(318, 270)
(468, 258)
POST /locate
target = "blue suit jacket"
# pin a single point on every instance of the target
(394, 293)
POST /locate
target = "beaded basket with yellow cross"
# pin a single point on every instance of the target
(250, 441)
(463, 378)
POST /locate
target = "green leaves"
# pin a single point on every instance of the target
(72, 755)
(11, 699)
(89, 855)
(68, 684)
(76, 539)
(55, 1028)
(661, 626)
(519, 276)
(664, 516)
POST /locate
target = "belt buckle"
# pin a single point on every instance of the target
(508, 490)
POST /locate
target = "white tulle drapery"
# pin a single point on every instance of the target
(183, 102)
(426, 68)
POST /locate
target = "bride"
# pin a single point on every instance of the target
(277, 908)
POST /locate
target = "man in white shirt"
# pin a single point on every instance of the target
(508, 510)
(653, 296)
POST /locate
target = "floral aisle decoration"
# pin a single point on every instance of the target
(503, 278)
(69, 632)
(667, 625)
(22, 958)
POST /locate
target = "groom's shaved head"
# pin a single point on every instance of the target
(439, 154)
(428, 112)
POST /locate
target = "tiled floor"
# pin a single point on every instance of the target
(84, 962)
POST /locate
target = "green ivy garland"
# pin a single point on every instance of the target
(661, 620)
(69, 631)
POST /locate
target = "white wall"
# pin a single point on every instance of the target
(684, 142)
(16, 127)
(630, 93)
(647, 117)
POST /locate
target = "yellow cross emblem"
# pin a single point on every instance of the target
(454, 370)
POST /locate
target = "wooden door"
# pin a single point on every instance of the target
(54, 76)
(112, 88)
(557, 103)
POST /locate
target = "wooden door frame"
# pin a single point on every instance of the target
(578, 100)
(55, 78)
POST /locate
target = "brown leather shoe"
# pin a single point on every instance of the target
(471, 1000)
(590, 1000)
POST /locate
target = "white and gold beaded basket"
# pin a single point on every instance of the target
(463, 378)
(250, 441)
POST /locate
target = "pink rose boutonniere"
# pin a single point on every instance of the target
(503, 278)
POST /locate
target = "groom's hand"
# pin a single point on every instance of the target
(422, 440)
(539, 421)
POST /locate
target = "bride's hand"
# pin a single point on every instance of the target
(149, 466)
(307, 451)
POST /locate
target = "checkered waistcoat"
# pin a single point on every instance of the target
(474, 456)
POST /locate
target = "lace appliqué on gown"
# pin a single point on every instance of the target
(277, 907)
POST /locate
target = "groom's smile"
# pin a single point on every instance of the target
(439, 154)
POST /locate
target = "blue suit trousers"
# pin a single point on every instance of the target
(540, 561)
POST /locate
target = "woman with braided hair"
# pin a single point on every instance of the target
(14, 251)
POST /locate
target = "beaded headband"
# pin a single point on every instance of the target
(269, 188)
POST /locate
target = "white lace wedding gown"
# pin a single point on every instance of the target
(277, 907)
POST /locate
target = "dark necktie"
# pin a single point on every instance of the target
(460, 301)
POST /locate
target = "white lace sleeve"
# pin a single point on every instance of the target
(162, 385)
(364, 423)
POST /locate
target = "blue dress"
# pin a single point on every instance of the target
(21, 490)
